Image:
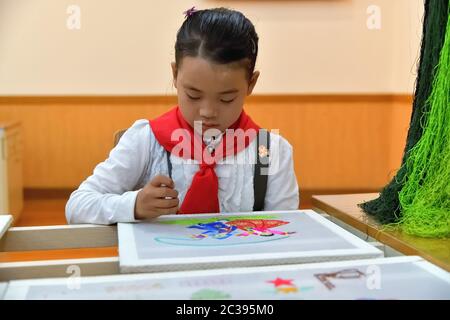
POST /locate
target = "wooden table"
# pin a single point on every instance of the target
(345, 208)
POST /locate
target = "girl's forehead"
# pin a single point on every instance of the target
(198, 71)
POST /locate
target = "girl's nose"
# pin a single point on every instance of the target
(208, 112)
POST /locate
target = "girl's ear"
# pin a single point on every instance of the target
(252, 83)
(174, 74)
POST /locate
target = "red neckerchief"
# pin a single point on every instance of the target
(202, 195)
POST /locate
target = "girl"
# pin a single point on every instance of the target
(191, 159)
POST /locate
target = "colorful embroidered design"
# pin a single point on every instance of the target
(284, 285)
(259, 227)
(217, 230)
(230, 228)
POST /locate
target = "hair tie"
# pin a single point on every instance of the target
(189, 12)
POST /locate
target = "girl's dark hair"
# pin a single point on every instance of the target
(220, 35)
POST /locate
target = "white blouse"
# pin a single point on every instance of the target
(108, 196)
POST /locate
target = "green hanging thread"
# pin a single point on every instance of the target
(387, 208)
(425, 196)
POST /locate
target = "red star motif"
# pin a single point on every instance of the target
(279, 282)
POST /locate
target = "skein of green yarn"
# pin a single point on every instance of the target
(425, 196)
(386, 208)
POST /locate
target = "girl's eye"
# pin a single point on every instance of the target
(192, 98)
(227, 101)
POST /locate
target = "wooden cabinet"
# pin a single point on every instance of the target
(11, 164)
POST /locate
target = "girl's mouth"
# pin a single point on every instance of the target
(210, 125)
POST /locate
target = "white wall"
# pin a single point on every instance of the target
(125, 47)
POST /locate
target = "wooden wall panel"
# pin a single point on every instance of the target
(341, 142)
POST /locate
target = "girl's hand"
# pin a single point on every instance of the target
(158, 197)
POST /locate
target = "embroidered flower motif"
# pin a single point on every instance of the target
(263, 152)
